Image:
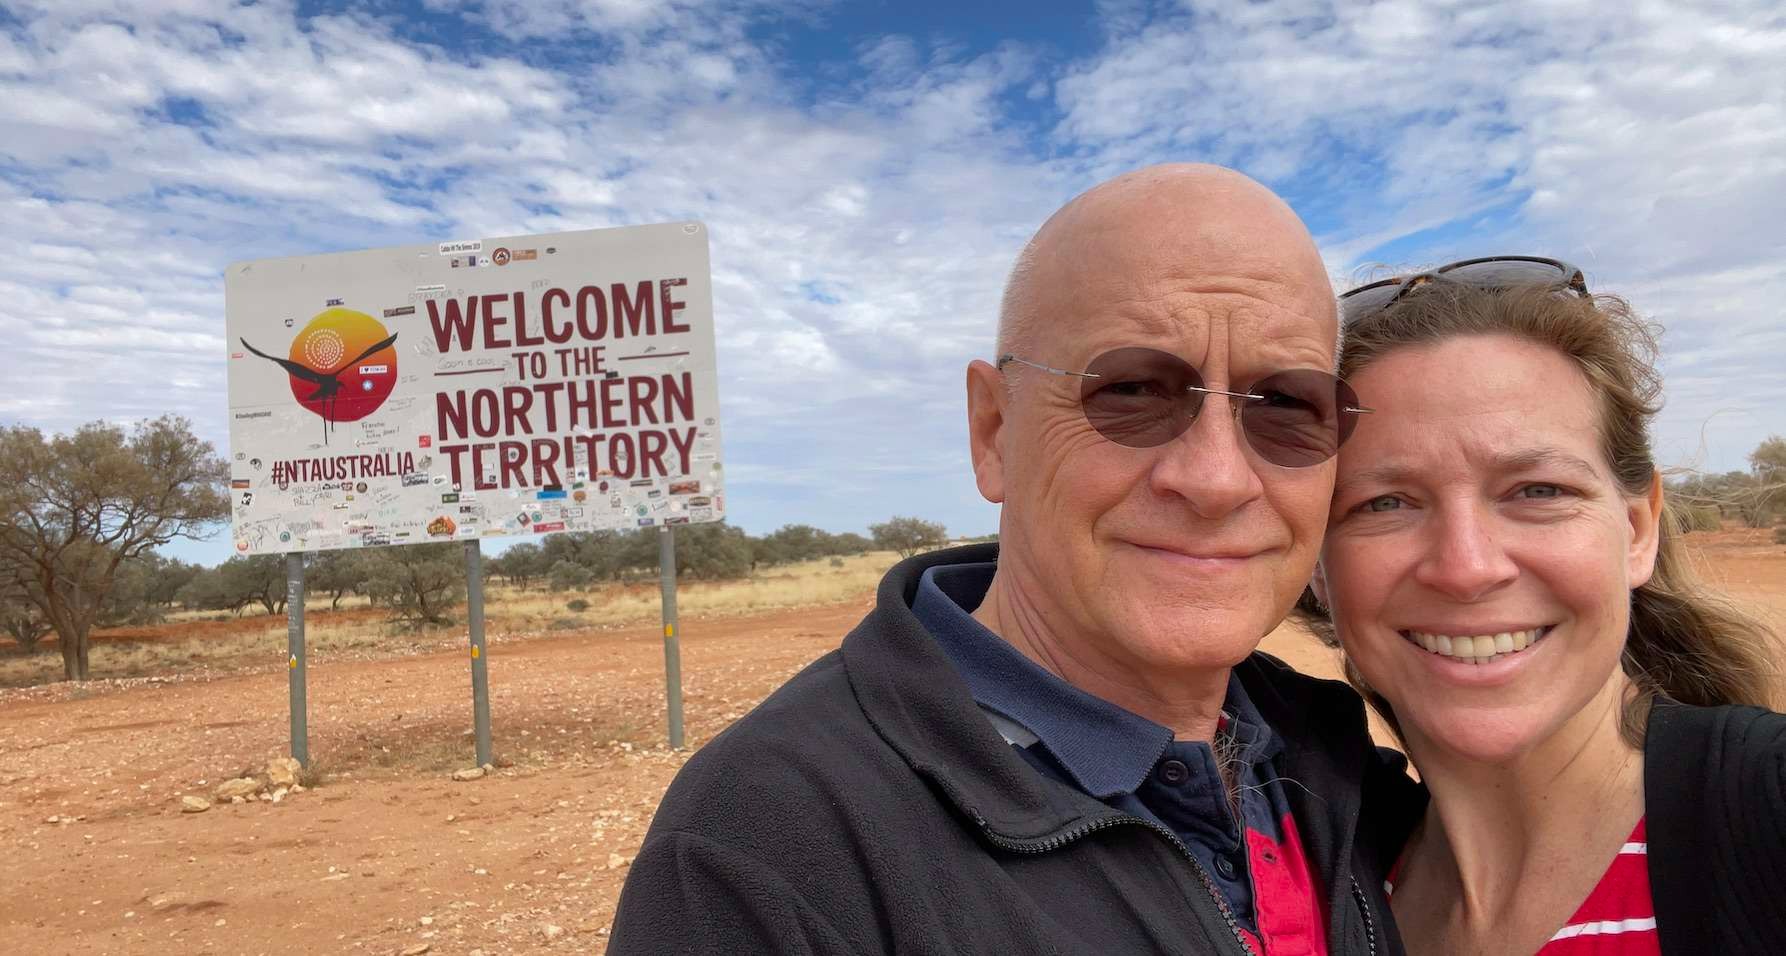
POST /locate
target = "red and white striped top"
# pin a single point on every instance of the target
(1617, 919)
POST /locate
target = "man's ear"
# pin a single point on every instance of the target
(986, 398)
(1318, 583)
(1645, 514)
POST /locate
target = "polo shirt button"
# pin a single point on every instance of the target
(1174, 772)
(1225, 867)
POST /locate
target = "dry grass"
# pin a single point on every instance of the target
(201, 642)
(797, 585)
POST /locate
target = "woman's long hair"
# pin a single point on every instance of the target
(1684, 643)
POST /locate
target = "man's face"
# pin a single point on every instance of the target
(1184, 555)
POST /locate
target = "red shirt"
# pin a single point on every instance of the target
(1617, 919)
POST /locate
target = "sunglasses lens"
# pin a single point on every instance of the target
(1140, 397)
(1302, 420)
(1364, 301)
(1505, 273)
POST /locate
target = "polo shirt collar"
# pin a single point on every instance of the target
(1106, 750)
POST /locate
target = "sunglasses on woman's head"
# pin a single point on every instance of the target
(1490, 272)
(1141, 397)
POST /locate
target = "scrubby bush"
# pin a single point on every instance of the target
(577, 604)
(568, 575)
(419, 582)
(1700, 518)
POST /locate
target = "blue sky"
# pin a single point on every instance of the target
(868, 171)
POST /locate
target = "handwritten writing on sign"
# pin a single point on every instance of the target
(592, 313)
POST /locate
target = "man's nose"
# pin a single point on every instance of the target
(1464, 560)
(1208, 465)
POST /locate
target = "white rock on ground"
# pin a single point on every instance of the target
(239, 787)
(283, 771)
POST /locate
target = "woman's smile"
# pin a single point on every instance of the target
(1485, 648)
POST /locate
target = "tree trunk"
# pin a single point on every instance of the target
(71, 656)
(73, 642)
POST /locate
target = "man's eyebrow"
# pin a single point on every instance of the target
(1395, 474)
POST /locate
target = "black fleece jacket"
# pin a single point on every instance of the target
(1714, 791)
(869, 807)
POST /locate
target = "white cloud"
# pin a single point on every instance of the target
(862, 220)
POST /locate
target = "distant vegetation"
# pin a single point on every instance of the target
(82, 514)
(1756, 498)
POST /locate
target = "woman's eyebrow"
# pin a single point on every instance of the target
(1522, 460)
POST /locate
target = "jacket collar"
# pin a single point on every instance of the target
(1104, 748)
(920, 705)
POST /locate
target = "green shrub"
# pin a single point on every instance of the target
(837, 562)
(577, 604)
(1700, 518)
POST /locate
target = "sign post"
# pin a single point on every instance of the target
(480, 671)
(294, 662)
(666, 571)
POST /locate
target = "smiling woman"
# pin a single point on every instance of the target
(1506, 581)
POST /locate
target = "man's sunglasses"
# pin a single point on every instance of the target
(1490, 272)
(1142, 397)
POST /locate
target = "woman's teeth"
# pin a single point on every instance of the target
(1478, 648)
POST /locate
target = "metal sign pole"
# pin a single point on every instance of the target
(480, 672)
(666, 567)
(294, 648)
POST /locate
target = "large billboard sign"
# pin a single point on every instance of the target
(514, 385)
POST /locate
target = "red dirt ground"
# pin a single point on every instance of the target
(388, 853)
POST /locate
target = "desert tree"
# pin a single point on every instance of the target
(335, 573)
(20, 618)
(75, 507)
(908, 536)
(418, 582)
(1768, 464)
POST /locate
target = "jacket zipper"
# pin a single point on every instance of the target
(1370, 929)
(1062, 839)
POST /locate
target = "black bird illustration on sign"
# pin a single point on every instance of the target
(328, 384)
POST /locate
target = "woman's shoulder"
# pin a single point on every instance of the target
(1714, 780)
(1716, 767)
(1715, 735)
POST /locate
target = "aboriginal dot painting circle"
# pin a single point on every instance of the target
(351, 353)
(342, 365)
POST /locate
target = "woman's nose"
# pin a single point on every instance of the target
(1464, 559)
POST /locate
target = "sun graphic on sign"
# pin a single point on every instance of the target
(325, 380)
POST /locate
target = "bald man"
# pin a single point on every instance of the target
(1066, 742)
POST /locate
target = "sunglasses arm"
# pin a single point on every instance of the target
(1008, 358)
(1260, 398)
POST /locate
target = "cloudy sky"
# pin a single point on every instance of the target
(868, 170)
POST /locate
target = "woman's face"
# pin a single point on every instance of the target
(1480, 558)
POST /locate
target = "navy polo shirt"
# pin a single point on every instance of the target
(1107, 752)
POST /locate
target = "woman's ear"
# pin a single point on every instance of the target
(1645, 513)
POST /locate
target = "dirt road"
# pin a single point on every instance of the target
(387, 852)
